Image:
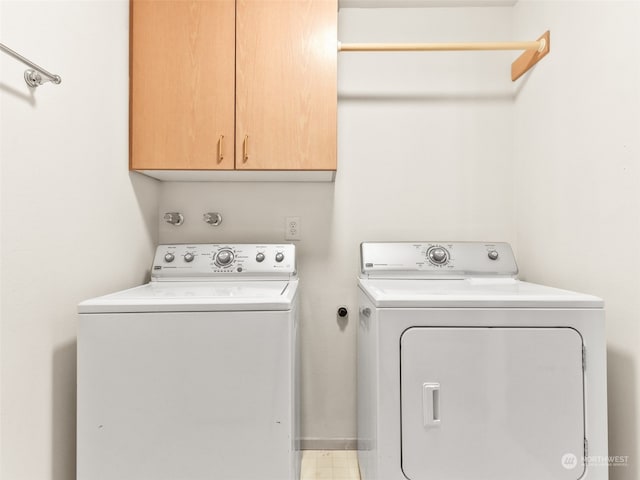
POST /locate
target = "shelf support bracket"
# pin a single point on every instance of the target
(530, 57)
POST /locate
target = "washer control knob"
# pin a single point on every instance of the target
(224, 257)
(260, 257)
(188, 257)
(438, 255)
(493, 254)
(168, 257)
(279, 257)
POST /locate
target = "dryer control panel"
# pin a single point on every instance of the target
(437, 259)
(189, 261)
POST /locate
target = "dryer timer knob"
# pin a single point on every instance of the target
(279, 257)
(438, 255)
(493, 254)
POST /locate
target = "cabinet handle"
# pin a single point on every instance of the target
(245, 148)
(220, 149)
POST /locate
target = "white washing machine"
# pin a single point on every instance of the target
(193, 375)
(465, 372)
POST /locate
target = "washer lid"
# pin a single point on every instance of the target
(196, 297)
(472, 292)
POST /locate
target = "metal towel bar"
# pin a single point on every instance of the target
(36, 75)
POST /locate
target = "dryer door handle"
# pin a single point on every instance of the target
(431, 404)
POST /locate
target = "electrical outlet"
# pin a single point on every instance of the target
(292, 228)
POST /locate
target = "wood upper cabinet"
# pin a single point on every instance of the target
(182, 84)
(196, 64)
(286, 93)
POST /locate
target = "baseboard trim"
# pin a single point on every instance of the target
(328, 444)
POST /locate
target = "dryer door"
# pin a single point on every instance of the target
(492, 403)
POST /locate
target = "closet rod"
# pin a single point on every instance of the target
(32, 77)
(439, 47)
(533, 51)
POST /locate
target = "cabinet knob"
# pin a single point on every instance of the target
(245, 148)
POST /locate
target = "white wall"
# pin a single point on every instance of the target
(74, 222)
(425, 143)
(577, 139)
(1, 235)
(429, 146)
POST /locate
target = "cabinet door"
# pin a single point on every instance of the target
(286, 94)
(182, 84)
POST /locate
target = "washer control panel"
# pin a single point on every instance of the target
(437, 258)
(187, 261)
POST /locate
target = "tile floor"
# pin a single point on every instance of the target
(329, 465)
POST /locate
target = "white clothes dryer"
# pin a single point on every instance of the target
(193, 376)
(466, 372)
